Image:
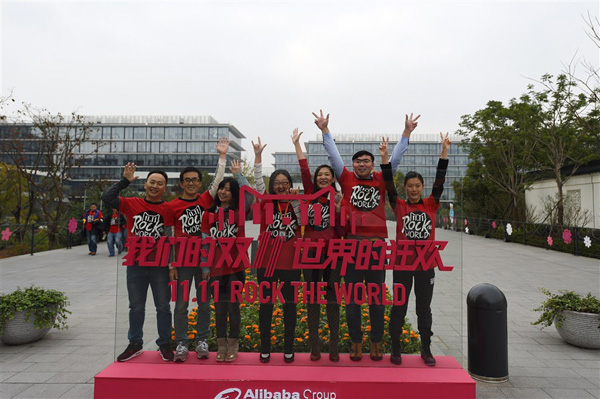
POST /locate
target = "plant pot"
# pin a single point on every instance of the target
(579, 329)
(20, 331)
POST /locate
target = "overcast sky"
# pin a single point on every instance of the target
(265, 66)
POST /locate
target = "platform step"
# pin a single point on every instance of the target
(148, 376)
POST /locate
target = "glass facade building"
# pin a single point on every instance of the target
(422, 156)
(168, 143)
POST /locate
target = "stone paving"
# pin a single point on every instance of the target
(541, 364)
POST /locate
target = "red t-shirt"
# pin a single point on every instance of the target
(416, 221)
(188, 214)
(229, 230)
(114, 223)
(146, 219)
(277, 228)
(90, 217)
(366, 199)
(323, 230)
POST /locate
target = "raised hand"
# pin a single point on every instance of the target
(129, 172)
(236, 166)
(384, 146)
(322, 122)
(294, 191)
(445, 145)
(410, 124)
(296, 136)
(258, 148)
(223, 146)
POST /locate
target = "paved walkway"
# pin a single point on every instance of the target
(541, 365)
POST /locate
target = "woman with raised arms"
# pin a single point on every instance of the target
(415, 218)
(323, 177)
(280, 183)
(227, 199)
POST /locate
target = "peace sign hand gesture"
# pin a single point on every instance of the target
(445, 145)
(384, 150)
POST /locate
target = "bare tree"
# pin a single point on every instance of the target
(44, 148)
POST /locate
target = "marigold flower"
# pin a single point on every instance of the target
(191, 336)
(248, 337)
(299, 339)
(406, 340)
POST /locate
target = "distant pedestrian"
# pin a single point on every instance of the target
(112, 227)
(92, 222)
(123, 222)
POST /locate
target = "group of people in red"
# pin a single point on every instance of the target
(363, 193)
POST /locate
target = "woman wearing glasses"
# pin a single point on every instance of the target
(285, 229)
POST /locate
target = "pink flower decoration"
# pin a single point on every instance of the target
(567, 238)
(494, 224)
(72, 225)
(550, 240)
(465, 222)
(6, 233)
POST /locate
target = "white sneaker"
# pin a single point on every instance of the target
(181, 352)
(202, 350)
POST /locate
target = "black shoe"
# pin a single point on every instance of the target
(288, 357)
(396, 359)
(265, 357)
(427, 356)
(166, 353)
(130, 352)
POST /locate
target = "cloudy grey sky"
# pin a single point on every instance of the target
(264, 65)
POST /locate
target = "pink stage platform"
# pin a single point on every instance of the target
(148, 376)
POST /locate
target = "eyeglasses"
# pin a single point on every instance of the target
(281, 183)
(362, 161)
(188, 180)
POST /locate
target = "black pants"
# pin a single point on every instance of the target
(314, 309)
(265, 310)
(225, 309)
(353, 310)
(423, 281)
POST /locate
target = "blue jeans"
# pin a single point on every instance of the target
(92, 240)
(194, 276)
(138, 280)
(111, 240)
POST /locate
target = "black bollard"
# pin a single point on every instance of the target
(487, 333)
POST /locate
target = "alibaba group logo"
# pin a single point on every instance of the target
(229, 393)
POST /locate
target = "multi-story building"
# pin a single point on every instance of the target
(422, 156)
(168, 143)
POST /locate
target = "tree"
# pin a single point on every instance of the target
(478, 196)
(500, 143)
(44, 148)
(565, 141)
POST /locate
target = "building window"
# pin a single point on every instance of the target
(139, 133)
(158, 133)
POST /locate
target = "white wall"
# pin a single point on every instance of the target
(589, 186)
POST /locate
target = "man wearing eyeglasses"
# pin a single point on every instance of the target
(188, 211)
(364, 197)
